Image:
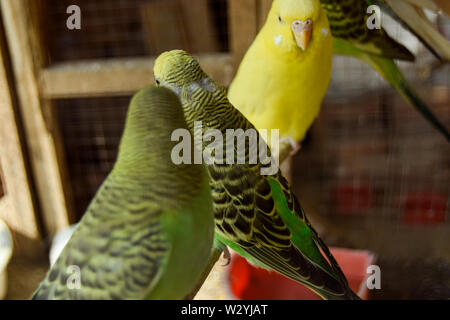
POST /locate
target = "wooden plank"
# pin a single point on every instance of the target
(201, 30)
(246, 18)
(2, 183)
(163, 25)
(117, 76)
(179, 24)
(444, 5)
(39, 124)
(263, 11)
(41, 55)
(17, 207)
(243, 24)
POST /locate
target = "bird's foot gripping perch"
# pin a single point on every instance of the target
(288, 147)
(216, 252)
(223, 248)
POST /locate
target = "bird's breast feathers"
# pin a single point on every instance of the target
(284, 92)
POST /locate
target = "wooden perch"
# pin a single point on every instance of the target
(119, 76)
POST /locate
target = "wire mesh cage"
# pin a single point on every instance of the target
(126, 28)
(91, 130)
(377, 157)
(380, 172)
(382, 159)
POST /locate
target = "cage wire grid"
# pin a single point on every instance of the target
(124, 28)
(369, 155)
(380, 156)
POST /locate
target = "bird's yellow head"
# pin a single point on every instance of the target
(292, 23)
(176, 69)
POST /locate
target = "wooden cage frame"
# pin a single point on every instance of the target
(38, 200)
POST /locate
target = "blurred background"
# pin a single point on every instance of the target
(372, 174)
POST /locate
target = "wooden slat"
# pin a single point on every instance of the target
(163, 25)
(444, 5)
(246, 18)
(17, 207)
(117, 76)
(201, 30)
(183, 24)
(2, 183)
(263, 11)
(40, 130)
(41, 56)
(243, 21)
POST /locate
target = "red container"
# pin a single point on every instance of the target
(424, 208)
(353, 199)
(252, 283)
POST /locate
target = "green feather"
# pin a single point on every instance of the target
(148, 231)
(348, 21)
(302, 234)
(249, 217)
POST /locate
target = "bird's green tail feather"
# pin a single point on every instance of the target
(391, 73)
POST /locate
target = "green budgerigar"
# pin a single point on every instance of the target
(352, 37)
(255, 212)
(148, 232)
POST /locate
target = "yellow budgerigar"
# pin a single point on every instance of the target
(285, 73)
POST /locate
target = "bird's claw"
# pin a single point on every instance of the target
(227, 256)
(294, 144)
(287, 148)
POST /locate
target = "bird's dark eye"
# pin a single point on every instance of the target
(279, 19)
(157, 82)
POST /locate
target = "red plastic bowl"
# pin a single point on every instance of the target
(353, 199)
(248, 282)
(424, 208)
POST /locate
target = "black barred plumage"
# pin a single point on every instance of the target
(123, 246)
(133, 159)
(136, 254)
(244, 208)
(348, 21)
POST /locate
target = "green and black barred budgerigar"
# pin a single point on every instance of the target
(148, 232)
(352, 37)
(258, 216)
(348, 22)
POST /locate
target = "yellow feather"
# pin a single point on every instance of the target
(278, 85)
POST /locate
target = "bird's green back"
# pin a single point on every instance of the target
(348, 21)
(303, 234)
(246, 210)
(124, 245)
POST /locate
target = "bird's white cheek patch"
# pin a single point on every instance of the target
(325, 32)
(278, 40)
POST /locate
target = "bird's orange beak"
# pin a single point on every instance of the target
(302, 32)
